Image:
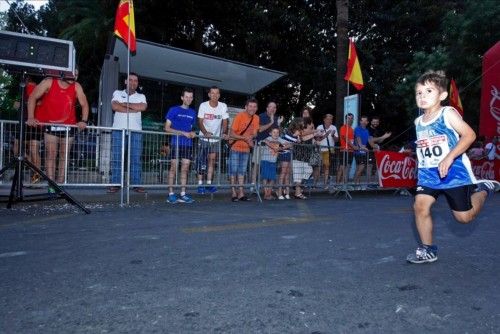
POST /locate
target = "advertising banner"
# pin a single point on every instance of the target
(486, 169)
(489, 119)
(396, 170)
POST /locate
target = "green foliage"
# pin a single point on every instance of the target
(7, 110)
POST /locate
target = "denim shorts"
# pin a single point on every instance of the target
(238, 163)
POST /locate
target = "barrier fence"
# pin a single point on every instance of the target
(106, 157)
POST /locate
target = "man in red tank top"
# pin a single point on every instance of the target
(58, 109)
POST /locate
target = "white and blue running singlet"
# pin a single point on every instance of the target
(435, 139)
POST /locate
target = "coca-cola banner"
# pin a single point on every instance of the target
(396, 170)
(486, 169)
(489, 120)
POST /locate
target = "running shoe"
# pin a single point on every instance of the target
(490, 186)
(52, 191)
(172, 199)
(210, 189)
(185, 199)
(201, 190)
(424, 254)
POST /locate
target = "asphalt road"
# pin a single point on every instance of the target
(325, 265)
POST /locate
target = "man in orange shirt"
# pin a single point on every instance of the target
(242, 133)
(347, 148)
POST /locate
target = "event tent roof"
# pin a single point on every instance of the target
(171, 64)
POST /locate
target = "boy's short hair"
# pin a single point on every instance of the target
(438, 78)
(187, 90)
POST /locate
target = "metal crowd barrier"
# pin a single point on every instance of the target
(98, 157)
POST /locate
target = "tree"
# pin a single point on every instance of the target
(342, 45)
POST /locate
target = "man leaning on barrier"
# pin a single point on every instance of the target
(243, 131)
(127, 116)
(212, 120)
(59, 108)
(179, 122)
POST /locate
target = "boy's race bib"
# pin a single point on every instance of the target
(432, 150)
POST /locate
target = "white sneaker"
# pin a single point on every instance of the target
(490, 186)
(287, 196)
(281, 197)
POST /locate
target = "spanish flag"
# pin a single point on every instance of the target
(354, 74)
(455, 101)
(125, 24)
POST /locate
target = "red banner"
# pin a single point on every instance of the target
(486, 169)
(396, 170)
(489, 120)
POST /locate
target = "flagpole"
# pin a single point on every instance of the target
(128, 110)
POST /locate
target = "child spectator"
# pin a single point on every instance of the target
(273, 145)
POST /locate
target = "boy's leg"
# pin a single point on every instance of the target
(423, 218)
(477, 197)
(427, 252)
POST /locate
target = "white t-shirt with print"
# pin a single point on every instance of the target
(212, 118)
(333, 133)
(134, 118)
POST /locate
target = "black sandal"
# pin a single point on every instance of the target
(300, 196)
(234, 199)
(244, 199)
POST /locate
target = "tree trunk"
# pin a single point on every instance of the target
(342, 44)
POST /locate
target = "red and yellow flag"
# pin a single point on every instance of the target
(455, 101)
(125, 23)
(354, 74)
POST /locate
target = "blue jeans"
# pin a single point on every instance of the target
(135, 156)
(238, 163)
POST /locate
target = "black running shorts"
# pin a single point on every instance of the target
(458, 198)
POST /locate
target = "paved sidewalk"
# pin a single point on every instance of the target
(325, 265)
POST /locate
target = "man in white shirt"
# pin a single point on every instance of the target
(212, 120)
(327, 143)
(127, 116)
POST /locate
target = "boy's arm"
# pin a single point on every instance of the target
(467, 137)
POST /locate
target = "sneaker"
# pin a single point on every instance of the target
(201, 190)
(185, 199)
(281, 197)
(210, 189)
(490, 186)
(172, 199)
(287, 196)
(425, 254)
(51, 191)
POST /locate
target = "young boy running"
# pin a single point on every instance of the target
(443, 168)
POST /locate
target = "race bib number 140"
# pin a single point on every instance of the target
(432, 150)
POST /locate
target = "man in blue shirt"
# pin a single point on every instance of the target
(179, 123)
(361, 139)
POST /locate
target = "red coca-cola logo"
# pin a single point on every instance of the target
(486, 170)
(397, 169)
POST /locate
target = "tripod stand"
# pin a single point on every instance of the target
(16, 190)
